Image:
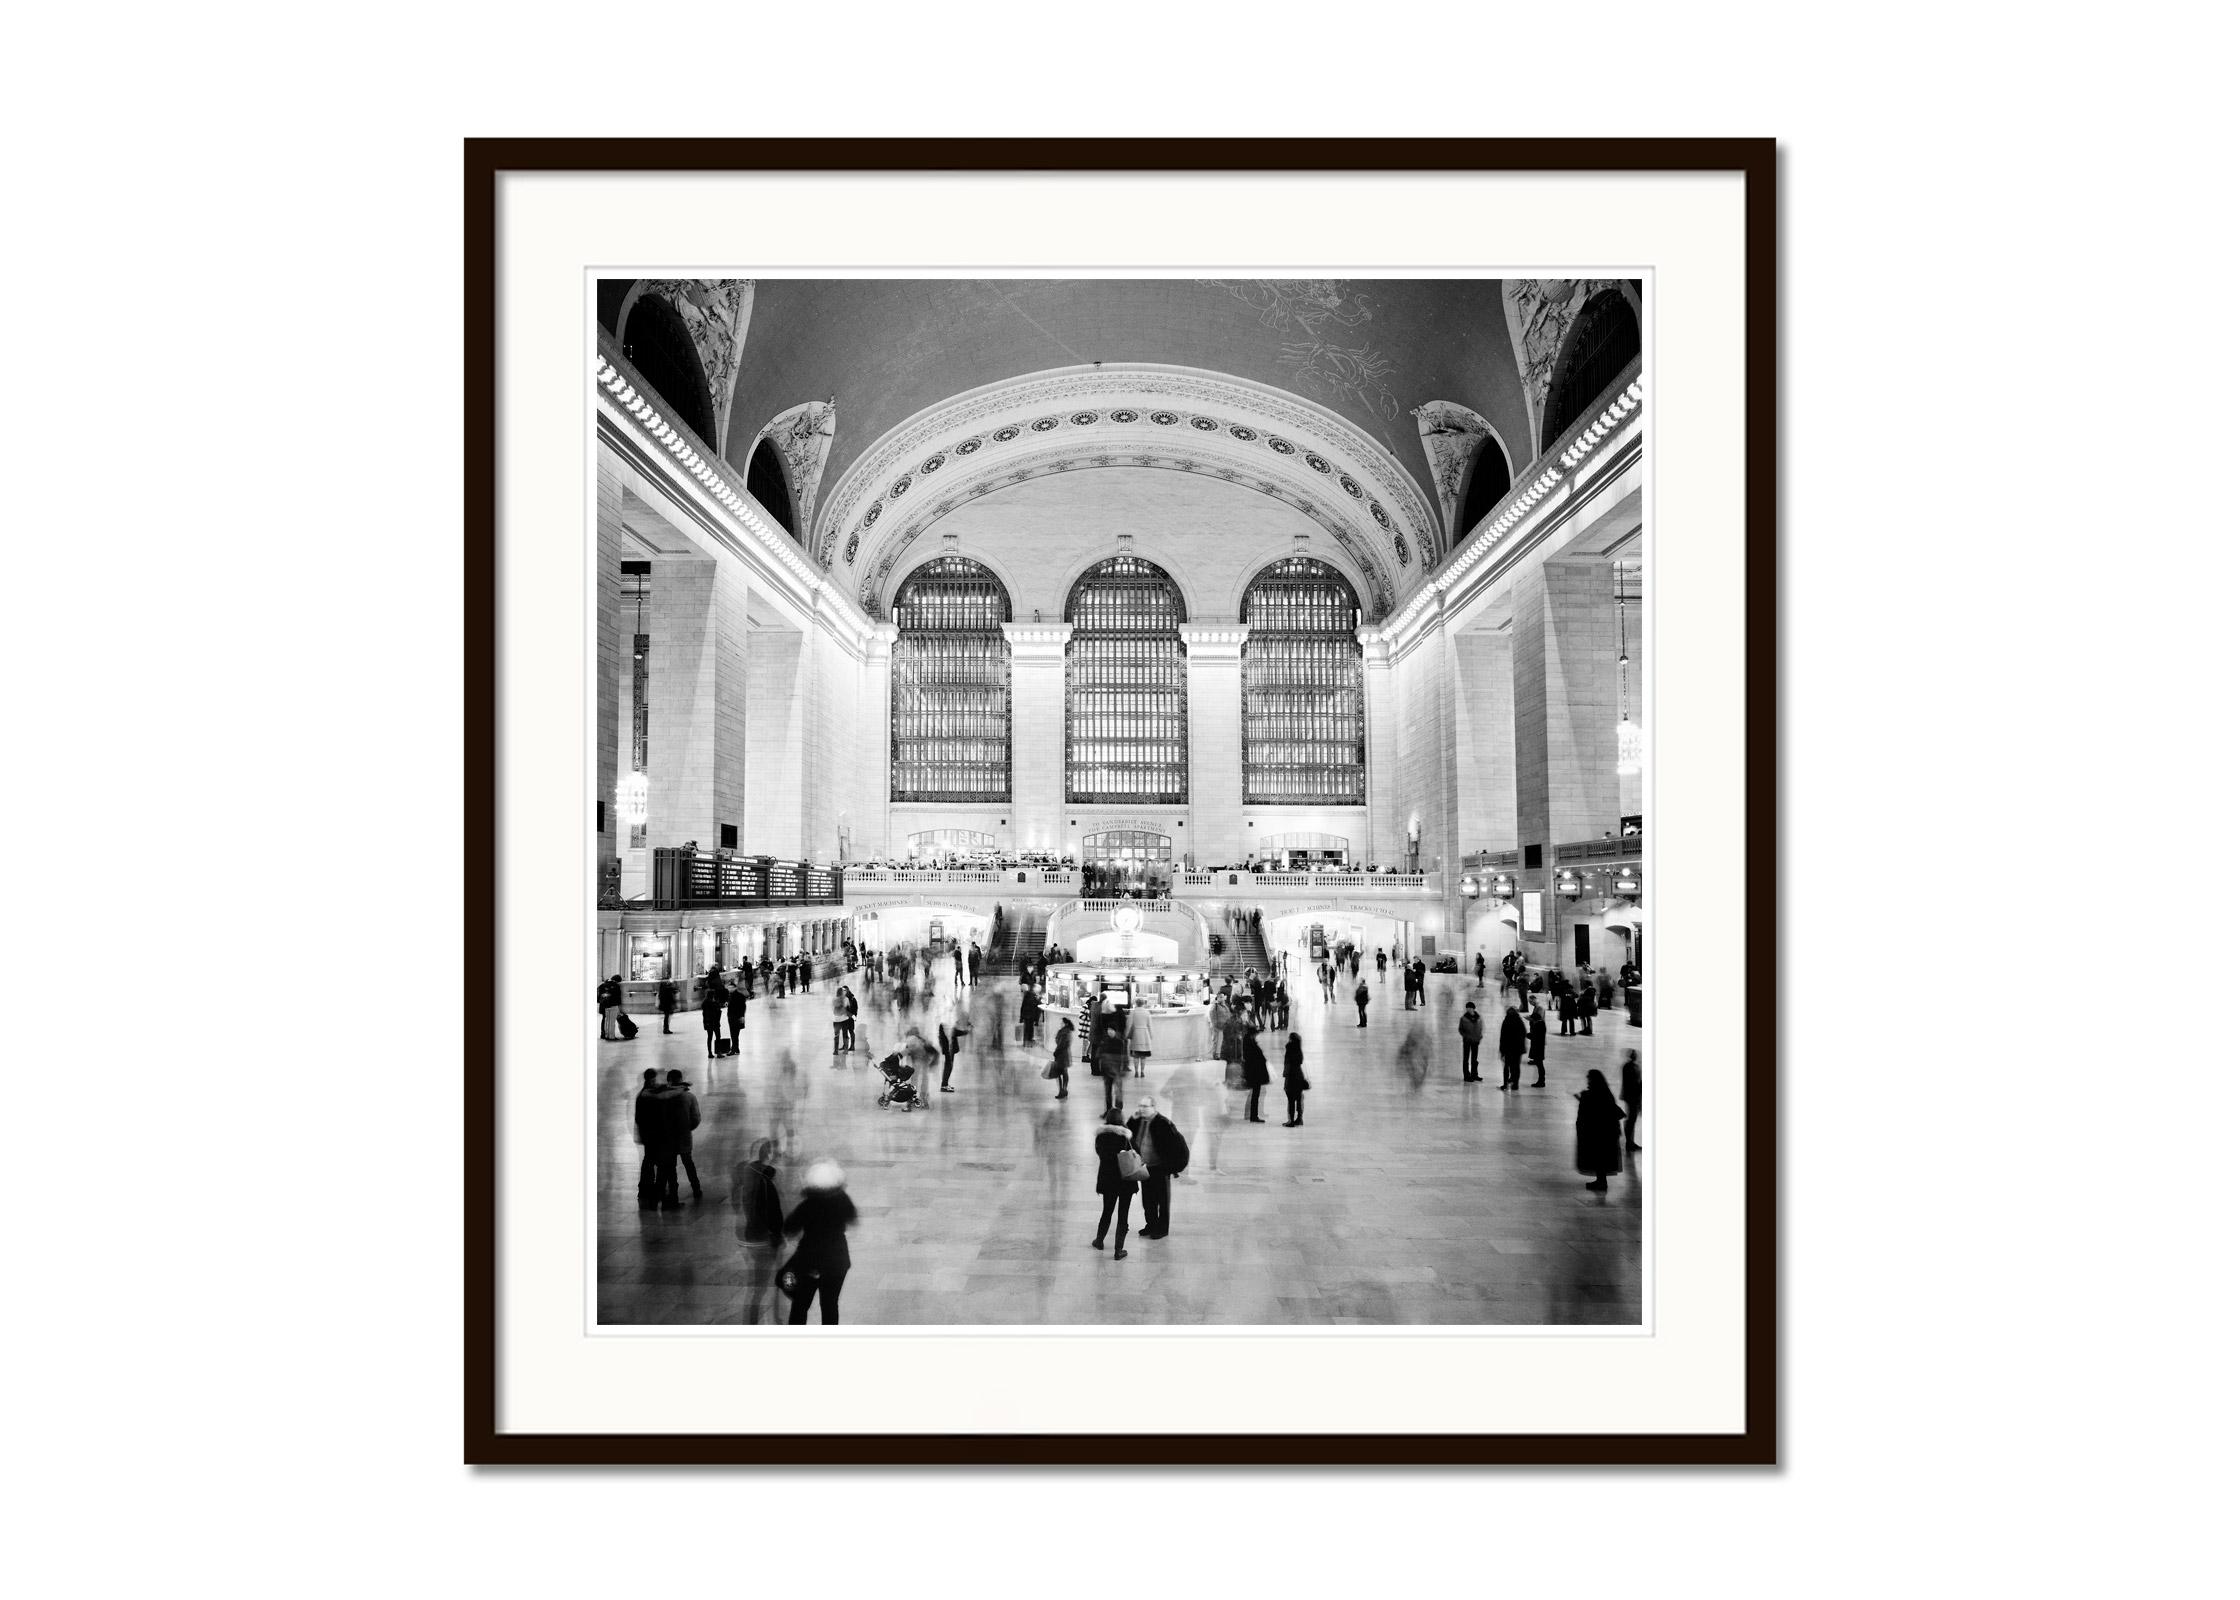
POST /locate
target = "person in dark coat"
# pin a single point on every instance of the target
(609, 1002)
(1109, 1047)
(1295, 1085)
(820, 1262)
(1119, 1193)
(1473, 1031)
(1481, 969)
(1255, 1076)
(1629, 1092)
(711, 1013)
(1567, 1012)
(1361, 1002)
(1605, 992)
(686, 1120)
(1598, 1132)
(642, 1120)
(1061, 1055)
(746, 976)
(1030, 1014)
(737, 1006)
(662, 1129)
(666, 998)
(1511, 1045)
(1164, 1153)
(1536, 1030)
(1587, 1010)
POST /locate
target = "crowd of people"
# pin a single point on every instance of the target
(1139, 1150)
(967, 861)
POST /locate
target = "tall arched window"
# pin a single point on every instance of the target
(1303, 722)
(951, 711)
(660, 346)
(1606, 337)
(766, 481)
(1127, 710)
(1489, 481)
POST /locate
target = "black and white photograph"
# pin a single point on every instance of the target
(1121, 801)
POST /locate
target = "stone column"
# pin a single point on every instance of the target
(773, 761)
(1216, 689)
(1386, 824)
(1565, 678)
(875, 697)
(1485, 743)
(1038, 734)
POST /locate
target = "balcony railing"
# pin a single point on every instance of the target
(1240, 882)
(681, 879)
(1622, 847)
(1068, 878)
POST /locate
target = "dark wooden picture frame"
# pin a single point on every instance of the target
(487, 163)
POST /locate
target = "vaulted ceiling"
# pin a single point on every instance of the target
(1355, 405)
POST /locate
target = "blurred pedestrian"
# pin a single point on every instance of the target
(737, 1006)
(1567, 1012)
(820, 1262)
(1361, 1002)
(1481, 964)
(1139, 1052)
(1629, 1091)
(840, 1019)
(609, 1002)
(1587, 1009)
(665, 997)
(1598, 1132)
(1295, 1085)
(759, 1222)
(1536, 1039)
(1118, 1189)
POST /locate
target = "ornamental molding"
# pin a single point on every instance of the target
(1220, 461)
(1451, 433)
(1607, 435)
(1118, 410)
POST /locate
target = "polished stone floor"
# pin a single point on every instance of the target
(1396, 1202)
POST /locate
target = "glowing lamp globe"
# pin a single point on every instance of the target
(1633, 744)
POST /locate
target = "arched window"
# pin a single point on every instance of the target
(1303, 738)
(1606, 337)
(951, 711)
(1489, 481)
(766, 481)
(660, 346)
(1127, 710)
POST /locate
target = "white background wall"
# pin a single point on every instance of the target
(2006, 1294)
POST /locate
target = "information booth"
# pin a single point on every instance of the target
(1179, 1000)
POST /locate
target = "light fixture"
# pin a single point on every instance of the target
(1470, 890)
(1504, 885)
(1568, 884)
(1632, 742)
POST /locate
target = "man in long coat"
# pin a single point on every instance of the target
(1512, 1044)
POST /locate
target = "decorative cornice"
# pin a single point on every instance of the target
(1623, 408)
(1213, 460)
(619, 395)
(1213, 640)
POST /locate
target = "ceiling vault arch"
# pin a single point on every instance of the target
(1130, 416)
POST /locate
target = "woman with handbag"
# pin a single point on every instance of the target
(1061, 1057)
(1119, 1170)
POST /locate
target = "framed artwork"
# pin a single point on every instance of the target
(993, 662)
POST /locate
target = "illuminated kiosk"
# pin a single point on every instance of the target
(1126, 968)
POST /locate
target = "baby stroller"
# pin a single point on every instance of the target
(900, 1090)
